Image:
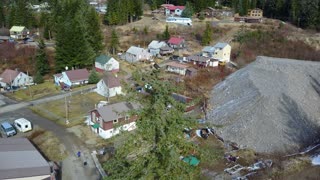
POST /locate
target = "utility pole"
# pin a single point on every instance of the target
(67, 109)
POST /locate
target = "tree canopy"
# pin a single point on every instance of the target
(153, 151)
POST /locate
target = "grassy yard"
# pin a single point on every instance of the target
(35, 91)
(38, 91)
(79, 106)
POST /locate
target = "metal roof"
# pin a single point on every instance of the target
(210, 49)
(20, 159)
(135, 50)
(157, 44)
(103, 59)
(114, 111)
(221, 45)
(17, 28)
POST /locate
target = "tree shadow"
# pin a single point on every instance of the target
(302, 129)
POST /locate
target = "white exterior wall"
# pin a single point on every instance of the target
(106, 134)
(177, 70)
(223, 54)
(214, 63)
(22, 79)
(103, 90)
(178, 12)
(111, 65)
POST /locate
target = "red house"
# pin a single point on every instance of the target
(176, 42)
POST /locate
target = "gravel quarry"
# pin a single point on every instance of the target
(271, 106)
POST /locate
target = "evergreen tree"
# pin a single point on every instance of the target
(188, 11)
(38, 78)
(2, 16)
(42, 64)
(93, 77)
(114, 42)
(94, 32)
(166, 33)
(207, 35)
(153, 151)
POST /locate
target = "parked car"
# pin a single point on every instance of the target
(22, 125)
(8, 129)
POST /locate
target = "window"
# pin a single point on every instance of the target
(18, 125)
(115, 121)
(26, 126)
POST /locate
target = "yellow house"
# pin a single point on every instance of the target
(222, 52)
(19, 32)
(257, 13)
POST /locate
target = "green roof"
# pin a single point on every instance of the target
(96, 125)
(103, 59)
(193, 161)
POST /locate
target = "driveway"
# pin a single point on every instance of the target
(72, 167)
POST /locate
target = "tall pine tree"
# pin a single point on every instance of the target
(42, 64)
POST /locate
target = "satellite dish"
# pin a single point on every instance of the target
(66, 68)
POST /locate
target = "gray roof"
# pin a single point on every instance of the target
(198, 58)
(19, 158)
(221, 45)
(114, 111)
(157, 44)
(135, 50)
(210, 49)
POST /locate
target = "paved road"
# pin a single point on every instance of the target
(72, 166)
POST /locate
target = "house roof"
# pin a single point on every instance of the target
(157, 44)
(114, 111)
(176, 64)
(175, 40)
(8, 76)
(78, 74)
(166, 5)
(208, 49)
(58, 75)
(17, 28)
(4, 37)
(166, 48)
(19, 158)
(103, 59)
(111, 81)
(198, 58)
(221, 45)
(135, 50)
(172, 8)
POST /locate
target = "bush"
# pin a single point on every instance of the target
(38, 79)
(94, 77)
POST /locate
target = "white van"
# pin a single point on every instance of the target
(23, 125)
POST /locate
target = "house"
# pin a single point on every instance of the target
(176, 67)
(106, 63)
(19, 32)
(191, 72)
(212, 12)
(176, 43)
(253, 16)
(109, 86)
(109, 120)
(222, 52)
(72, 78)
(135, 54)
(184, 100)
(201, 61)
(155, 46)
(257, 13)
(166, 50)
(208, 51)
(174, 10)
(13, 78)
(21, 160)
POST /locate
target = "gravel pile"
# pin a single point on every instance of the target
(271, 105)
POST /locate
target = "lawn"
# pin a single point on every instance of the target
(48, 88)
(79, 106)
(35, 91)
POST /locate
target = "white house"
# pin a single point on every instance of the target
(174, 10)
(135, 54)
(110, 120)
(72, 77)
(14, 78)
(222, 52)
(106, 63)
(109, 86)
(175, 67)
(155, 46)
(19, 32)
